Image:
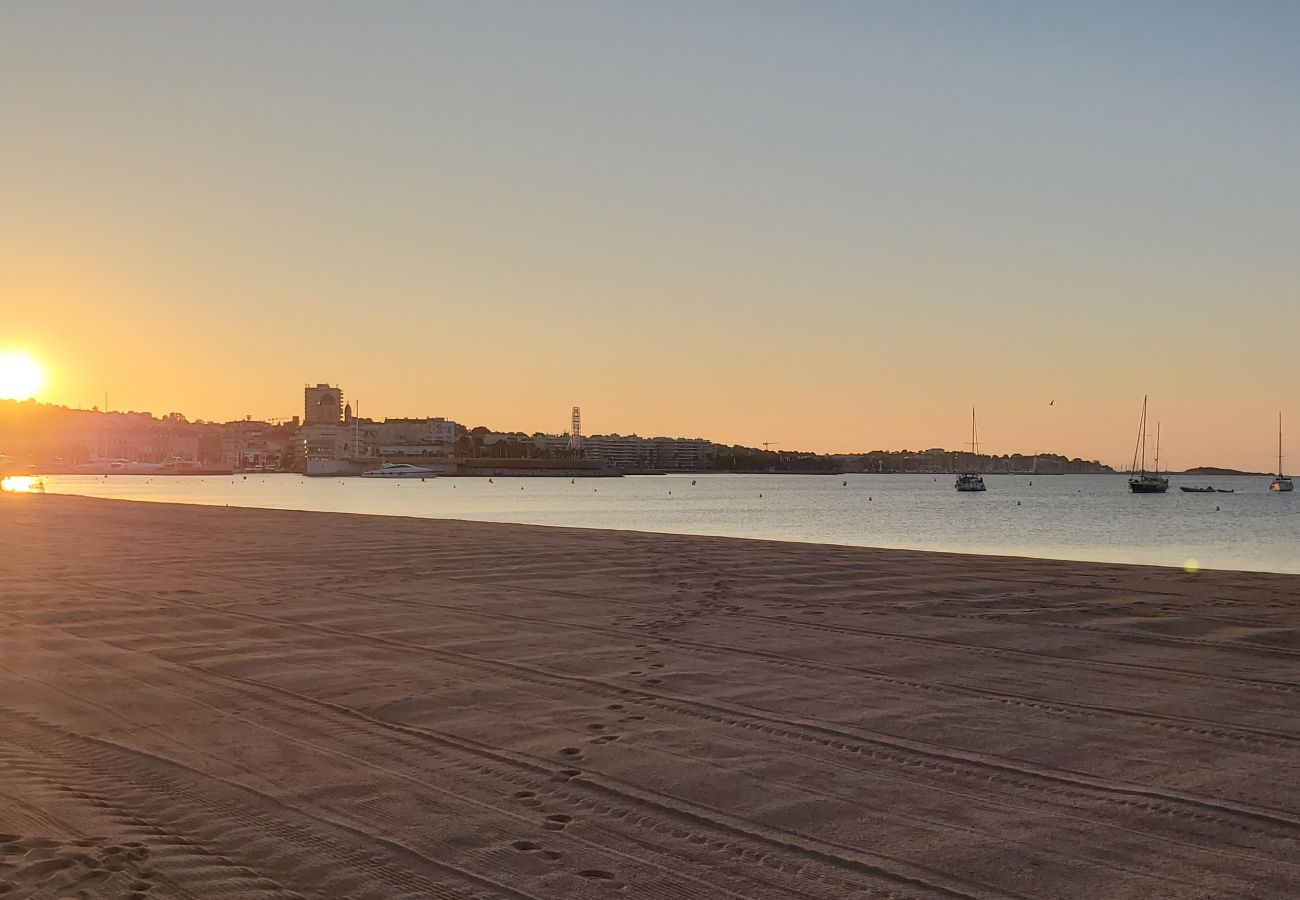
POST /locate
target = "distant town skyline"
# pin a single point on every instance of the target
(556, 437)
(829, 226)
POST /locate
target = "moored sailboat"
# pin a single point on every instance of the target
(1140, 480)
(970, 482)
(1280, 481)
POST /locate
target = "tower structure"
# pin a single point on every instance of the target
(575, 430)
(322, 405)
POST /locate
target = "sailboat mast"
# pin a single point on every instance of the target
(1279, 445)
(1140, 451)
(1157, 448)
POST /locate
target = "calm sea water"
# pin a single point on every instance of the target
(1083, 517)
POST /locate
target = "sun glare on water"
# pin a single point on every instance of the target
(21, 376)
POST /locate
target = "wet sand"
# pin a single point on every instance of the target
(220, 703)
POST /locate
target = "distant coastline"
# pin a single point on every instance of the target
(1215, 470)
(37, 438)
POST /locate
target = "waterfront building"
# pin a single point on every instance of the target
(412, 437)
(632, 452)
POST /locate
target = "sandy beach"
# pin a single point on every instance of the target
(220, 703)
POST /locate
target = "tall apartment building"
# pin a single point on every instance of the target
(658, 453)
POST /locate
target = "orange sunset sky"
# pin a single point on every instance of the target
(832, 226)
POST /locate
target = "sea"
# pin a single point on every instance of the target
(1074, 517)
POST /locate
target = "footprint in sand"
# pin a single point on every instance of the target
(78, 867)
(36, 843)
(611, 706)
(530, 847)
(570, 753)
(597, 874)
(524, 795)
(40, 871)
(557, 822)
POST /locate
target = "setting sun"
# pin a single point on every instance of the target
(21, 376)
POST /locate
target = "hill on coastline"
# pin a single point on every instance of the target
(1214, 470)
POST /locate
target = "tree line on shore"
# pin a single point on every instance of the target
(937, 460)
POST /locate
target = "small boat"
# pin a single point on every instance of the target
(1189, 489)
(399, 470)
(1226, 490)
(969, 482)
(1281, 482)
(1140, 480)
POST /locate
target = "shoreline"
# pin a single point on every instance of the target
(250, 703)
(960, 552)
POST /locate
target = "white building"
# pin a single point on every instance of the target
(657, 453)
(413, 437)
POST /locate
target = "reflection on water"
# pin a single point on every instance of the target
(21, 484)
(1083, 517)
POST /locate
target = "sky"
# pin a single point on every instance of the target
(831, 226)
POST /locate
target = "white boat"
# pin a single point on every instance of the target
(1281, 482)
(100, 466)
(969, 482)
(399, 470)
(1141, 481)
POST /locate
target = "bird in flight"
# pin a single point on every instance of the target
(1053, 403)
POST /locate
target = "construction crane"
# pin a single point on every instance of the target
(767, 445)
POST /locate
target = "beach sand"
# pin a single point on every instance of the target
(218, 703)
